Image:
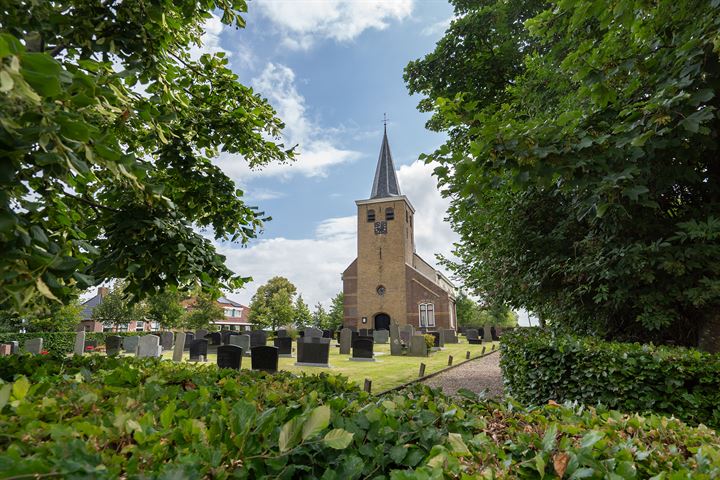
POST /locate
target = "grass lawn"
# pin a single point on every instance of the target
(386, 372)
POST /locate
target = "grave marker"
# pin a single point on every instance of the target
(79, 347)
(258, 338)
(313, 352)
(264, 358)
(34, 345)
(242, 341)
(229, 356)
(362, 349)
(418, 347)
(345, 341)
(395, 345)
(166, 340)
(179, 347)
(113, 344)
(198, 349)
(284, 346)
(149, 347)
(130, 344)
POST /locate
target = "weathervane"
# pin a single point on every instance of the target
(385, 120)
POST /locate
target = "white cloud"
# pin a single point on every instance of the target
(437, 28)
(302, 23)
(210, 43)
(315, 264)
(317, 150)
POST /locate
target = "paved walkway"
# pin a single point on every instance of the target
(478, 375)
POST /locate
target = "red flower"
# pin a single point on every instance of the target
(89, 348)
(44, 352)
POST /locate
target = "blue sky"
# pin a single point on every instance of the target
(331, 68)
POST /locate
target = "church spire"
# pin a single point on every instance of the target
(385, 183)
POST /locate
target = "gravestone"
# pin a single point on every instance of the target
(179, 347)
(189, 338)
(494, 334)
(198, 348)
(229, 356)
(281, 333)
(362, 349)
(5, 350)
(34, 345)
(364, 332)
(313, 332)
(166, 340)
(345, 341)
(242, 341)
(473, 336)
(130, 344)
(395, 345)
(264, 358)
(14, 347)
(91, 343)
(487, 334)
(258, 338)
(449, 335)
(201, 333)
(418, 347)
(406, 331)
(79, 347)
(438, 342)
(149, 346)
(381, 336)
(284, 346)
(214, 337)
(314, 352)
(327, 334)
(113, 344)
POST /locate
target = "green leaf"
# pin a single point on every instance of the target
(5, 394)
(548, 442)
(6, 81)
(73, 129)
(318, 420)
(20, 388)
(167, 415)
(338, 438)
(42, 72)
(44, 290)
(457, 445)
(540, 464)
(591, 438)
(290, 434)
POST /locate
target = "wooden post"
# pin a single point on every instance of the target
(368, 385)
(467, 355)
(493, 348)
(450, 360)
(421, 373)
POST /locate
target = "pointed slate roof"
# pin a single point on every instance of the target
(385, 183)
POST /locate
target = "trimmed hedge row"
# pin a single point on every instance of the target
(99, 417)
(61, 342)
(539, 366)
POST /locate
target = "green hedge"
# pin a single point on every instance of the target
(99, 417)
(539, 366)
(61, 342)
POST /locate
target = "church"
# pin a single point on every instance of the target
(388, 281)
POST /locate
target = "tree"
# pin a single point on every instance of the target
(165, 308)
(302, 312)
(272, 304)
(203, 312)
(60, 318)
(320, 317)
(117, 308)
(109, 127)
(581, 160)
(337, 312)
(471, 314)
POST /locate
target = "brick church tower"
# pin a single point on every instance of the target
(388, 281)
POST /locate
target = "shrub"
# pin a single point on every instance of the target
(429, 341)
(539, 366)
(61, 342)
(99, 417)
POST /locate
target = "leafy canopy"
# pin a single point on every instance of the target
(582, 159)
(272, 304)
(108, 128)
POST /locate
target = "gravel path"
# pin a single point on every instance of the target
(477, 375)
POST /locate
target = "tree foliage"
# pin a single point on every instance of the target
(107, 131)
(202, 312)
(582, 159)
(165, 308)
(337, 312)
(472, 314)
(272, 304)
(302, 312)
(320, 316)
(59, 318)
(117, 308)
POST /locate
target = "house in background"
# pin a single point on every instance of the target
(235, 316)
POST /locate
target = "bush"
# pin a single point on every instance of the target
(99, 417)
(539, 366)
(61, 342)
(429, 341)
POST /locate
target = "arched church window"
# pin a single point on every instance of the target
(371, 215)
(427, 314)
(389, 213)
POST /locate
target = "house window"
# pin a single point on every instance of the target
(371, 215)
(139, 326)
(228, 312)
(427, 315)
(155, 326)
(389, 213)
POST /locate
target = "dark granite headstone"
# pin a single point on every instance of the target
(113, 344)
(284, 346)
(327, 334)
(197, 348)
(362, 349)
(364, 332)
(14, 347)
(258, 338)
(473, 336)
(201, 333)
(224, 337)
(314, 353)
(215, 338)
(166, 340)
(281, 333)
(494, 334)
(189, 338)
(229, 356)
(264, 358)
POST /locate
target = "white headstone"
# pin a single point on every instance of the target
(179, 347)
(149, 346)
(79, 343)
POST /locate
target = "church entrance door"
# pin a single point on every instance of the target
(382, 321)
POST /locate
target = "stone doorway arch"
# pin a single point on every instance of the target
(381, 321)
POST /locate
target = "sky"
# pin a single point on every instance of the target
(331, 69)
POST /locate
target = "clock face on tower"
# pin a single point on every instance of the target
(380, 227)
